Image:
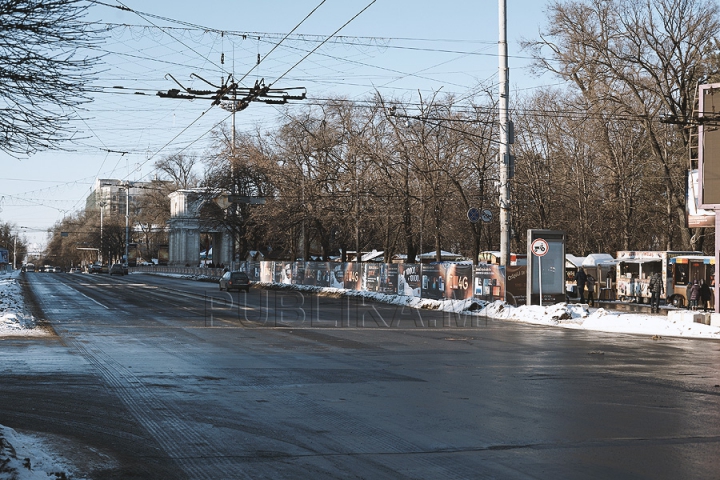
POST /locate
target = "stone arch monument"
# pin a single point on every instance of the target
(186, 226)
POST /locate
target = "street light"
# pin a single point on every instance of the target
(127, 218)
(102, 209)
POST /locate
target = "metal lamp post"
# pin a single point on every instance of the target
(102, 209)
(127, 219)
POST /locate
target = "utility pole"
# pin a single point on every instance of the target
(505, 127)
(127, 219)
(102, 209)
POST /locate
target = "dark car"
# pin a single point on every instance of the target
(235, 281)
(117, 269)
(95, 268)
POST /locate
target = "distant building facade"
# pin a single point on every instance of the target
(111, 195)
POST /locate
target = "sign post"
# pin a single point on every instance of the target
(540, 248)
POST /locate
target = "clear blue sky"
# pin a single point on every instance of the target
(398, 47)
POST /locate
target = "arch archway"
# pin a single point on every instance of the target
(192, 216)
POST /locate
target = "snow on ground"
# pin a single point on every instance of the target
(25, 457)
(576, 316)
(28, 457)
(15, 320)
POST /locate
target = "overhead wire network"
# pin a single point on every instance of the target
(127, 121)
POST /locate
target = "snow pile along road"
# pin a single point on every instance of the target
(15, 320)
(25, 457)
(564, 315)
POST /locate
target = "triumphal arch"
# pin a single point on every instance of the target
(194, 220)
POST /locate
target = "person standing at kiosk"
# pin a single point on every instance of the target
(656, 289)
(581, 278)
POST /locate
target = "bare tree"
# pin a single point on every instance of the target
(45, 70)
(645, 59)
(179, 169)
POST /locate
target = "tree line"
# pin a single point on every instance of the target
(602, 156)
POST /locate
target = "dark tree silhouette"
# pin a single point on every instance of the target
(46, 64)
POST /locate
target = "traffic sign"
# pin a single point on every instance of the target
(539, 247)
(487, 216)
(473, 215)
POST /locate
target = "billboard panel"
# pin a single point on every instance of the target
(490, 282)
(409, 279)
(709, 145)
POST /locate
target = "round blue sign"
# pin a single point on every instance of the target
(473, 215)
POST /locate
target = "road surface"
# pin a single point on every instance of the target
(152, 377)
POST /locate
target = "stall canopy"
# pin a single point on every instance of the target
(571, 261)
(694, 258)
(594, 259)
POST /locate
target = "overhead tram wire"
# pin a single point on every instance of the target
(186, 146)
(362, 64)
(324, 41)
(143, 16)
(281, 41)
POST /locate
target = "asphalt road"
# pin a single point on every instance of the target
(152, 377)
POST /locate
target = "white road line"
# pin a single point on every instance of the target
(92, 299)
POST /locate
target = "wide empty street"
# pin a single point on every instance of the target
(153, 377)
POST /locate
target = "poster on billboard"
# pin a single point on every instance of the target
(4, 255)
(388, 278)
(458, 281)
(311, 273)
(283, 273)
(352, 277)
(298, 273)
(516, 285)
(433, 281)
(371, 277)
(490, 282)
(319, 274)
(267, 271)
(338, 275)
(409, 279)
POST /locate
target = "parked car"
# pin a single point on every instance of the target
(118, 269)
(95, 268)
(75, 270)
(235, 281)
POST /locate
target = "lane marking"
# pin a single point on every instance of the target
(92, 299)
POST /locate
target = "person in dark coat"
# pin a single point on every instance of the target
(581, 279)
(656, 289)
(694, 294)
(591, 290)
(705, 295)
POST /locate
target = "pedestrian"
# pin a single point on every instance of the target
(580, 279)
(656, 289)
(694, 295)
(591, 290)
(705, 295)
